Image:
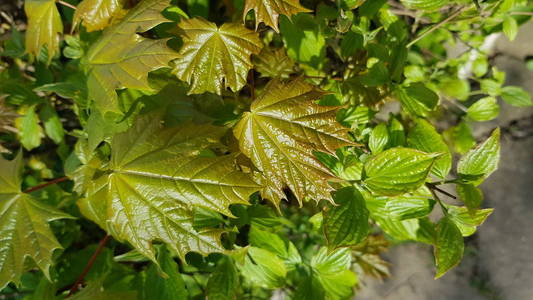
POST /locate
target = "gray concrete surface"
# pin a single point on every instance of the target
(498, 261)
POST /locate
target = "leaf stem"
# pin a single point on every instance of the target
(89, 265)
(43, 185)
(66, 4)
(432, 186)
(441, 204)
(437, 26)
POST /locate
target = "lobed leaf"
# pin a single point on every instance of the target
(97, 14)
(122, 58)
(213, 58)
(155, 179)
(280, 134)
(44, 26)
(268, 11)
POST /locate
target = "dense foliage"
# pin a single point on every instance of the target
(160, 149)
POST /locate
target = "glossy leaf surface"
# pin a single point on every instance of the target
(44, 26)
(122, 58)
(268, 11)
(155, 179)
(97, 14)
(215, 58)
(281, 132)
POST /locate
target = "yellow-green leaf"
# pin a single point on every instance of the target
(449, 246)
(280, 133)
(24, 229)
(96, 14)
(273, 63)
(155, 179)
(214, 58)
(481, 161)
(398, 170)
(44, 26)
(268, 11)
(122, 58)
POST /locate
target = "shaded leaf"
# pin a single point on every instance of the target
(347, 223)
(223, 283)
(281, 132)
(214, 58)
(131, 58)
(154, 180)
(167, 286)
(273, 63)
(417, 99)
(470, 194)
(24, 228)
(268, 11)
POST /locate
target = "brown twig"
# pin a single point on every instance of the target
(66, 4)
(89, 265)
(43, 185)
(434, 187)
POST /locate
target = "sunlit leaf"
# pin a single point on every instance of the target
(214, 58)
(268, 11)
(281, 132)
(122, 58)
(154, 180)
(44, 26)
(96, 14)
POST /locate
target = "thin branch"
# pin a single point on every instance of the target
(89, 265)
(437, 26)
(441, 204)
(43, 185)
(66, 4)
(521, 13)
(434, 187)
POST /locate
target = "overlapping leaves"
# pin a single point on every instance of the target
(268, 11)
(121, 58)
(97, 14)
(155, 178)
(281, 132)
(24, 229)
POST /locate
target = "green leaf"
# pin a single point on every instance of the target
(455, 88)
(97, 14)
(163, 286)
(347, 223)
(417, 99)
(420, 230)
(397, 171)
(425, 4)
(449, 246)
(268, 11)
(516, 96)
(30, 132)
(480, 66)
(273, 63)
(154, 180)
(470, 194)
(378, 74)
(274, 243)
(52, 124)
(264, 268)
(379, 138)
(132, 57)
(424, 137)
(223, 283)
(280, 133)
(309, 288)
(408, 206)
(468, 219)
(510, 27)
(478, 163)
(333, 271)
(491, 87)
(95, 290)
(44, 27)
(461, 137)
(214, 58)
(484, 109)
(23, 226)
(304, 40)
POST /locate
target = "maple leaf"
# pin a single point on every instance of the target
(24, 229)
(274, 63)
(96, 14)
(121, 58)
(280, 133)
(44, 26)
(268, 11)
(154, 180)
(213, 58)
